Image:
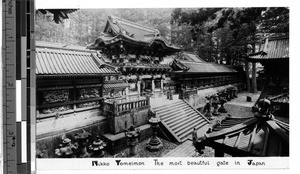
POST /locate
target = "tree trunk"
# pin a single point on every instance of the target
(254, 85)
(247, 74)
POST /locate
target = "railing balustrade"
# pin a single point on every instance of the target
(117, 106)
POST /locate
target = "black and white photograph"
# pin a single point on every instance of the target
(162, 82)
(89, 85)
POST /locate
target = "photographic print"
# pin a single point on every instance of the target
(143, 82)
(195, 82)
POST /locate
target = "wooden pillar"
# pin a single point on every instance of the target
(247, 74)
(254, 85)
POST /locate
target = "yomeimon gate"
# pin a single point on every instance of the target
(137, 51)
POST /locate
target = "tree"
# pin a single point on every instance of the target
(275, 20)
(230, 29)
(83, 26)
(58, 14)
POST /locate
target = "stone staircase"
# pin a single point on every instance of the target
(180, 118)
(185, 149)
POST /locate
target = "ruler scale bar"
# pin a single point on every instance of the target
(18, 52)
(9, 74)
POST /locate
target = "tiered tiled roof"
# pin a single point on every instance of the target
(281, 98)
(54, 61)
(188, 56)
(250, 137)
(200, 67)
(119, 30)
(113, 84)
(272, 48)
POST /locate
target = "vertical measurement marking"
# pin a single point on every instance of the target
(32, 94)
(9, 93)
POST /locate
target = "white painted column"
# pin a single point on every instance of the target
(153, 84)
(126, 92)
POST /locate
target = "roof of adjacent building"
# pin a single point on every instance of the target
(199, 67)
(190, 56)
(183, 55)
(251, 137)
(60, 61)
(281, 98)
(272, 48)
(114, 84)
(118, 29)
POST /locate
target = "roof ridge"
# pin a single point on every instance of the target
(64, 48)
(188, 61)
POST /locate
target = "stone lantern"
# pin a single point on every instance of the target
(231, 93)
(66, 149)
(234, 92)
(227, 94)
(132, 135)
(82, 140)
(207, 107)
(97, 147)
(222, 100)
(215, 103)
(154, 143)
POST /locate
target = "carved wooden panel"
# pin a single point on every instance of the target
(56, 109)
(88, 104)
(55, 96)
(87, 93)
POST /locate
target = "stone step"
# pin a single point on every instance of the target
(189, 126)
(178, 101)
(188, 129)
(183, 152)
(167, 105)
(186, 122)
(183, 120)
(172, 118)
(188, 135)
(186, 149)
(180, 119)
(172, 110)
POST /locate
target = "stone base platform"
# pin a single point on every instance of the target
(118, 142)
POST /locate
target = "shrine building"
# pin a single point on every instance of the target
(137, 51)
(273, 54)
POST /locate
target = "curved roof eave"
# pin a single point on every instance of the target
(164, 44)
(125, 38)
